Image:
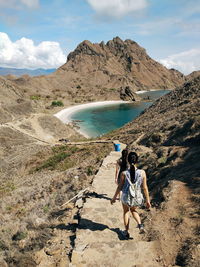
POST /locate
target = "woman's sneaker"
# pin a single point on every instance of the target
(141, 228)
(125, 234)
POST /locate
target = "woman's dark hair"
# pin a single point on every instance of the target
(124, 162)
(132, 159)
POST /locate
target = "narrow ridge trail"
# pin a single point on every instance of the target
(38, 133)
(98, 239)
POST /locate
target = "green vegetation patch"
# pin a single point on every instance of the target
(46, 209)
(162, 160)
(19, 236)
(53, 161)
(60, 158)
(90, 170)
(64, 157)
(35, 97)
(7, 187)
(57, 103)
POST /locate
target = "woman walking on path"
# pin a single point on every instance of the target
(138, 178)
(121, 165)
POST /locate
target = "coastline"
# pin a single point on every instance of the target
(146, 91)
(65, 114)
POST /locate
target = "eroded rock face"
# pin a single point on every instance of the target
(118, 59)
(96, 72)
(126, 93)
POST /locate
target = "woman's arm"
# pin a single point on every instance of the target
(145, 189)
(116, 172)
(119, 188)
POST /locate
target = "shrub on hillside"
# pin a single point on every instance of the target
(57, 103)
(35, 97)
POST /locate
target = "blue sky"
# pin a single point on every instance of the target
(40, 33)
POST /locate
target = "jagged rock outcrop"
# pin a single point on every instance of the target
(120, 63)
(127, 94)
(95, 72)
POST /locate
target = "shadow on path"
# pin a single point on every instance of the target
(95, 195)
(90, 225)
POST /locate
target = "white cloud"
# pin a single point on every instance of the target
(18, 3)
(186, 62)
(116, 8)
(24, 54)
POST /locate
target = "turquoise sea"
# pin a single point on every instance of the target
(96, 121)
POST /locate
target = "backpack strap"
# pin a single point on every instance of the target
(128, 178)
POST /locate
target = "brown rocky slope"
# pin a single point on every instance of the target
(119, 63)
(36, 177)
(167, 139)
(99, 72)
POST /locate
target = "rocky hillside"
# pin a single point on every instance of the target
(120, 63)
(167, 138)
(175, 119)
(170, 127)
(37, 175)
(115, 65)
(94, 72)
(193, 75)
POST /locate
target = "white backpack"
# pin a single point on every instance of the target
(134, 196)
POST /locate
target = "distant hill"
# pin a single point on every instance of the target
(120, 63)
(102, 71)
(19, 72)
(193, 75)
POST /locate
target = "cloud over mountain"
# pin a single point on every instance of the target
(116, 8)
(186, 62)
(25, 54)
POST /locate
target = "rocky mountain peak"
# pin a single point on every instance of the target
(115, 46)
(87, 48)
(117, 64)
(115, 42)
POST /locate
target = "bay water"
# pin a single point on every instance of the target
(96, 121)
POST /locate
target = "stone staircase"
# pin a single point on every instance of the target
(98, 238)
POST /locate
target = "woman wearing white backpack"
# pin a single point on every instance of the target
(131, 182)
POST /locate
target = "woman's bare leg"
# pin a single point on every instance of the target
(135, 214)
(126, 216)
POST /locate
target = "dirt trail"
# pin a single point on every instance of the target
(30, 126)
(98, 239)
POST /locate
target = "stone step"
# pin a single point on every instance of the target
(119, 254)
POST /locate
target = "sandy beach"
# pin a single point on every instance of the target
(65, 114)
(146, 91)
